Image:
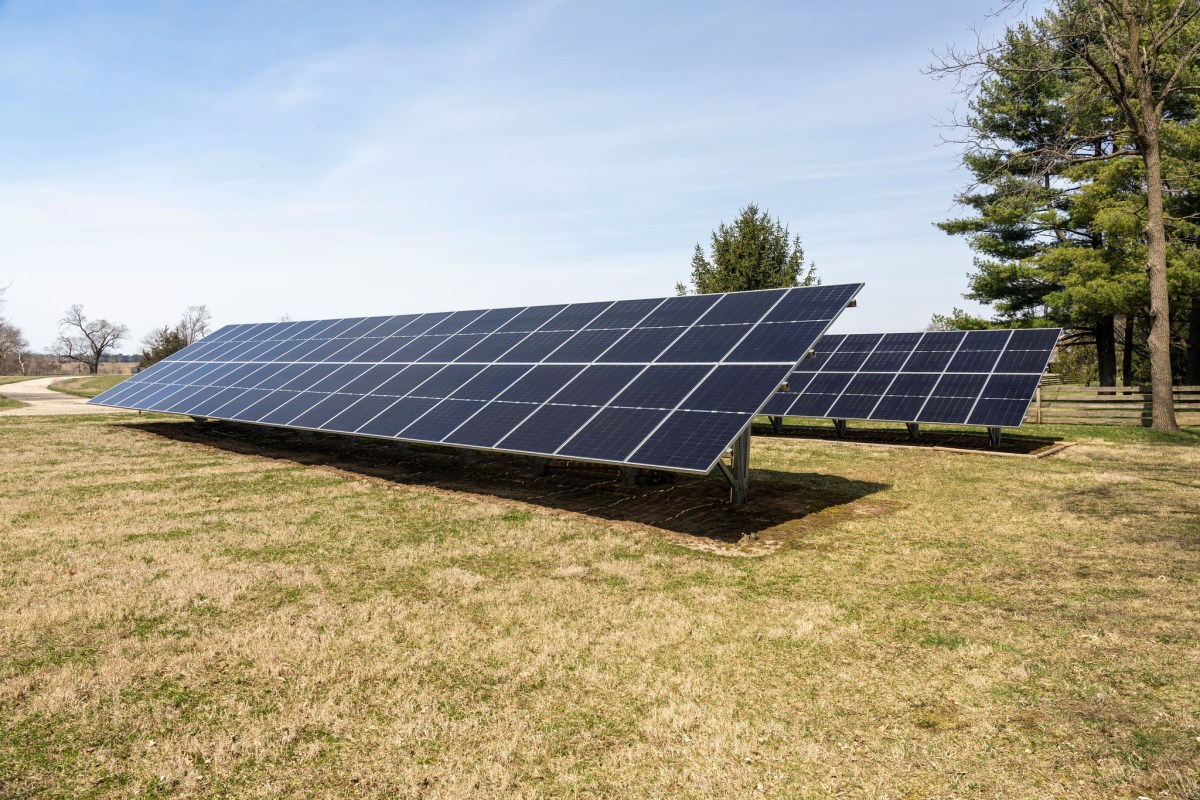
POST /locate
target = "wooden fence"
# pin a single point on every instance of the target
(1108, 405)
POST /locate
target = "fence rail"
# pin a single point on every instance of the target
(1108, 405)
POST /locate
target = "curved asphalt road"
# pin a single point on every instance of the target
(42, 400)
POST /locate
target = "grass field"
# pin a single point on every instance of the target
(88, 386)
(199, 611)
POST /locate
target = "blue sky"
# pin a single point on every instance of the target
(356, 158)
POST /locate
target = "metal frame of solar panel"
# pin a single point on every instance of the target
(985, 378)
(664, 383)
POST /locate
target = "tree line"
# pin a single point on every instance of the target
(92, 341)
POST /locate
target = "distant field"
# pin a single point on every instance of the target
(88, 386)
(14, 378)
(197, 611)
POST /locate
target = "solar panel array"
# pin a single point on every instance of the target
(953, 377)
(665, 383)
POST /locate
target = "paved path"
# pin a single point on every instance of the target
(42, 400)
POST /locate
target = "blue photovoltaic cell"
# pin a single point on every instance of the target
(953, 377)
(546, 428)
(396, 417)
(540, 383)
(491, 424)
(614, 434)
(776, 341)
(661, 386)
(665, 383)
(490, 382)
(705, 343)
(686, 435)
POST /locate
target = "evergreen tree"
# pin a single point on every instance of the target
(755, 252)
(161, 343)
(193, 326)
(1039, 229)
(1122, 81)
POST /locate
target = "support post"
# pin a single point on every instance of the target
(1037, 399)
(464, 457)
(738, 471)
(839, 425)
(194, 419)
(538, 466)
(993, 437)
(776, 424)
(629, 476)
(305, 436)
(403, 448)
(914, 429)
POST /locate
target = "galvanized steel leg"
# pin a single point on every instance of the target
(538, 466)
(776, 424)
(839, 425)
(629, 476)
(738, 473)
(464, 457)
(914, 429)
(993, 437)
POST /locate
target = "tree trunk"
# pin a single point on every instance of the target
(1106, 350)
(1193, 344)
(1127, 352)
(1159, 339)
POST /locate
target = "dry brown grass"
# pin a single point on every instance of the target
(195, 613)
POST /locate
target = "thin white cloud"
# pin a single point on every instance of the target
(381, 173)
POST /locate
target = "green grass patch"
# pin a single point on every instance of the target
(89, 386)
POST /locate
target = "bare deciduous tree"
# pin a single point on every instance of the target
(86, 340)
(195, 324)
(12, 346)
(12, 342)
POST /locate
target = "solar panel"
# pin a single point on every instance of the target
(983, 378)
(664, 383)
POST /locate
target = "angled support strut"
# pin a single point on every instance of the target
(737, 471)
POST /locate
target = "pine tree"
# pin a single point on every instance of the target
(1129, 73)
(1044, 252)
(755, 252)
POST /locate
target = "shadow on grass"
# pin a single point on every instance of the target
(1013, 444)
(781, 506)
